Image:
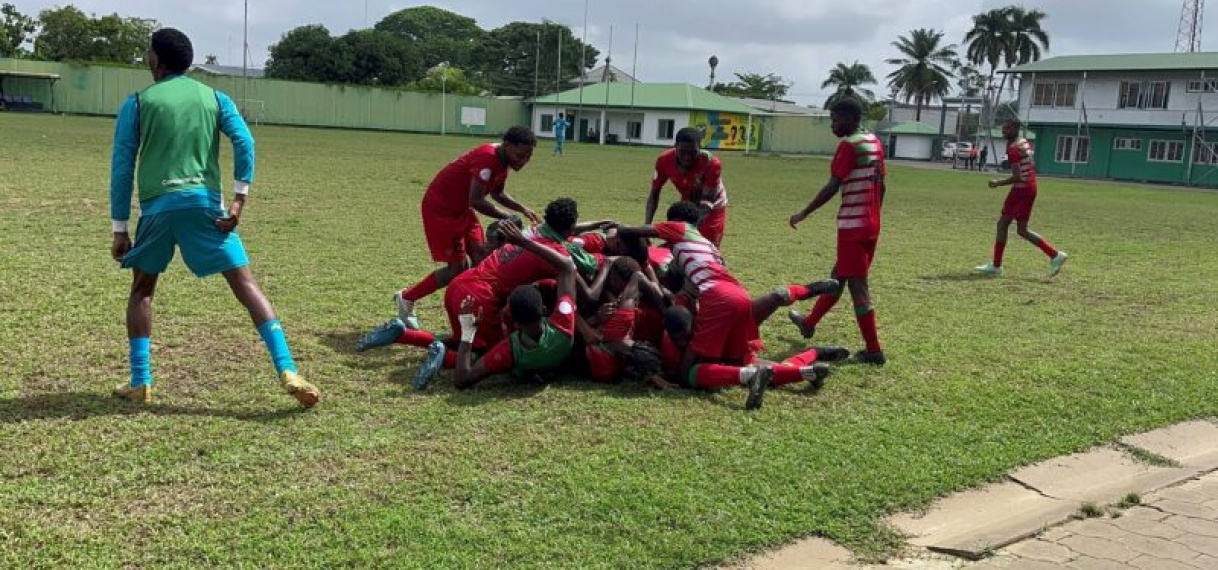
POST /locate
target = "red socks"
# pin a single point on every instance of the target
(1046, 248)
(425, 287)
(716, 376)
(802, 359)
(820, 309)
(866, 319)
(798, 292)
(421, 339)
(999, 248)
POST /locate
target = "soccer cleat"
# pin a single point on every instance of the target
(798, 319)
(828, 286)
(757, 386)
(406, 312)
(307, 394)
(989, 269)
(1055, 264)
(384, 335)
(138, 394)
(815, 374)
(431, 365)
(831, 353)
(874, 358)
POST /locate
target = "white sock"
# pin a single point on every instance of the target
(747, 373)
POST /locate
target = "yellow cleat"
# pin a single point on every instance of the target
(307, 394)
(138, 394)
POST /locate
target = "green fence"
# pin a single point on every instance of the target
(100, 90)
(798, 135)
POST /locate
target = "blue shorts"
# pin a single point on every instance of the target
(205, 249)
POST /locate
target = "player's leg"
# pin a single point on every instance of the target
(1056, 258)
(994, 267)
(446, 239)
(714, 225)
(148, 258)
(765, 305)
(864, 313)
(824, 303)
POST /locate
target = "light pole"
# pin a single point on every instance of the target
(245, 58)
(714, 62)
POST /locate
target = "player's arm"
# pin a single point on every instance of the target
(467, 372)
(826, 193)
(598, 225)
(648, 231)
(507, 201)
(653, 199)
(232, 124)
(478, 201)
(122, 175)
(1015, 177)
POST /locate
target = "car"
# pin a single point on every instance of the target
(949, 150)
(964, 150)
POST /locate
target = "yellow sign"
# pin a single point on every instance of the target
(726, 131)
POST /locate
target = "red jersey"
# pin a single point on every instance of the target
(1019, 154)
(704, 178)
(448, 192)
(696, 256)
(859, 164)
(512, 266)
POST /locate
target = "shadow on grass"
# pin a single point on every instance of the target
(84, 405)
(960, 276)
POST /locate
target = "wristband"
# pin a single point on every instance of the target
(119, 226)
(241, 188)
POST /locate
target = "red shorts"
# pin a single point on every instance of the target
(713, 225)
(451, 238)
(486, 305)
(724, 328)
(854, 256)
(1018, 205)
(603, 365)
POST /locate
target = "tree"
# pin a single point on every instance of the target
(211, 59)
(969, 81)
(755, 85)
(923, 73)
(309, 53)
(848, 81)
(452, 80)
(15, 30)
(439, 36)
(507, 58)
(378, 58)
(876, 111)
(66, 35)
(119, 39)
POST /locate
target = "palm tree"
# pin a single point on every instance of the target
(969, 81)
(849, 80)
(989, 40)
(924, 73)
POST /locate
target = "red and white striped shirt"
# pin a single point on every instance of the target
(859, 164)
(1020, 155)
(698, 259)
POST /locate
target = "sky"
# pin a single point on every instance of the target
(799, 40)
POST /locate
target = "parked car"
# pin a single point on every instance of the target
(964, 150)
(949, 150)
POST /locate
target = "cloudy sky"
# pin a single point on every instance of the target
(797, 39)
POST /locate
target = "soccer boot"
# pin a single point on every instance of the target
(138, 394)
(431, 365)
(307, 394)
(383, 335)
(988, 269)
(1055, 264)
(815, 374)
(874, 358)
(797, 319)
(757, 385)
(406, 311)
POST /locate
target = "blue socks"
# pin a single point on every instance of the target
(277, 345)
(141, 361)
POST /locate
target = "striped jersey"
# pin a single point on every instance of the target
(698, 259)
(702, 181)
(1020, 155)
(859, 164)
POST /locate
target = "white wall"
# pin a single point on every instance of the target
(1101, 92)
(915, 147)
(617, 119)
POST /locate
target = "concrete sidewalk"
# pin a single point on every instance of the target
(1076, 512)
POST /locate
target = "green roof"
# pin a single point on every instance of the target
(682, 96)
(912, 128)
(1122, 62)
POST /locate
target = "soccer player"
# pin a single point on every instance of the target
(449, 205)
(560, 133)
(172, 130)
(857, 171)
(698, 177)
(540, 343)
(1018, 205)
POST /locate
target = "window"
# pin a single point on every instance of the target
(634, 129)
(1144, 95)
(1127, 144)
(1043, 96)
(1065, 95)
(547, 123)
(665, 129)
(1166, 151)
(1202, 85)
(1205, 153)
(1073, 149)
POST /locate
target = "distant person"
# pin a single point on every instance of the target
(972, 159)
(172, 130)
(698, 177)
(560, 133)
(450, 208)
(984, 156)
(1018, 205)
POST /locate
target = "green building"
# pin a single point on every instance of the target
(1137, 117)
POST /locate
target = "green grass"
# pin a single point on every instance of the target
(983, 374)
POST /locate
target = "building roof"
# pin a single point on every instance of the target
(1121, 62)
(681, 96)
(911, 128)
(996, 133)
(598, 74)
(781, 107)
(229, 70)
(29, 74)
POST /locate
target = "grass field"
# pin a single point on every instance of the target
(223, 470)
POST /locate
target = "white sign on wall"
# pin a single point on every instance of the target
(473, 116)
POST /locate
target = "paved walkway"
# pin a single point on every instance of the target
(1070, 512)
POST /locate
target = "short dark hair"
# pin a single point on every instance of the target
(173, 50)
(494, 231)
(678, 319)
(683, 212)
(1014, 123)
(520, 135)
(642, 361)
(562, 215)
(689, 135)
(526, 305)
(847, 107)
(624, 268)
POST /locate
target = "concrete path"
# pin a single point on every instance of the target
(1146, 502)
